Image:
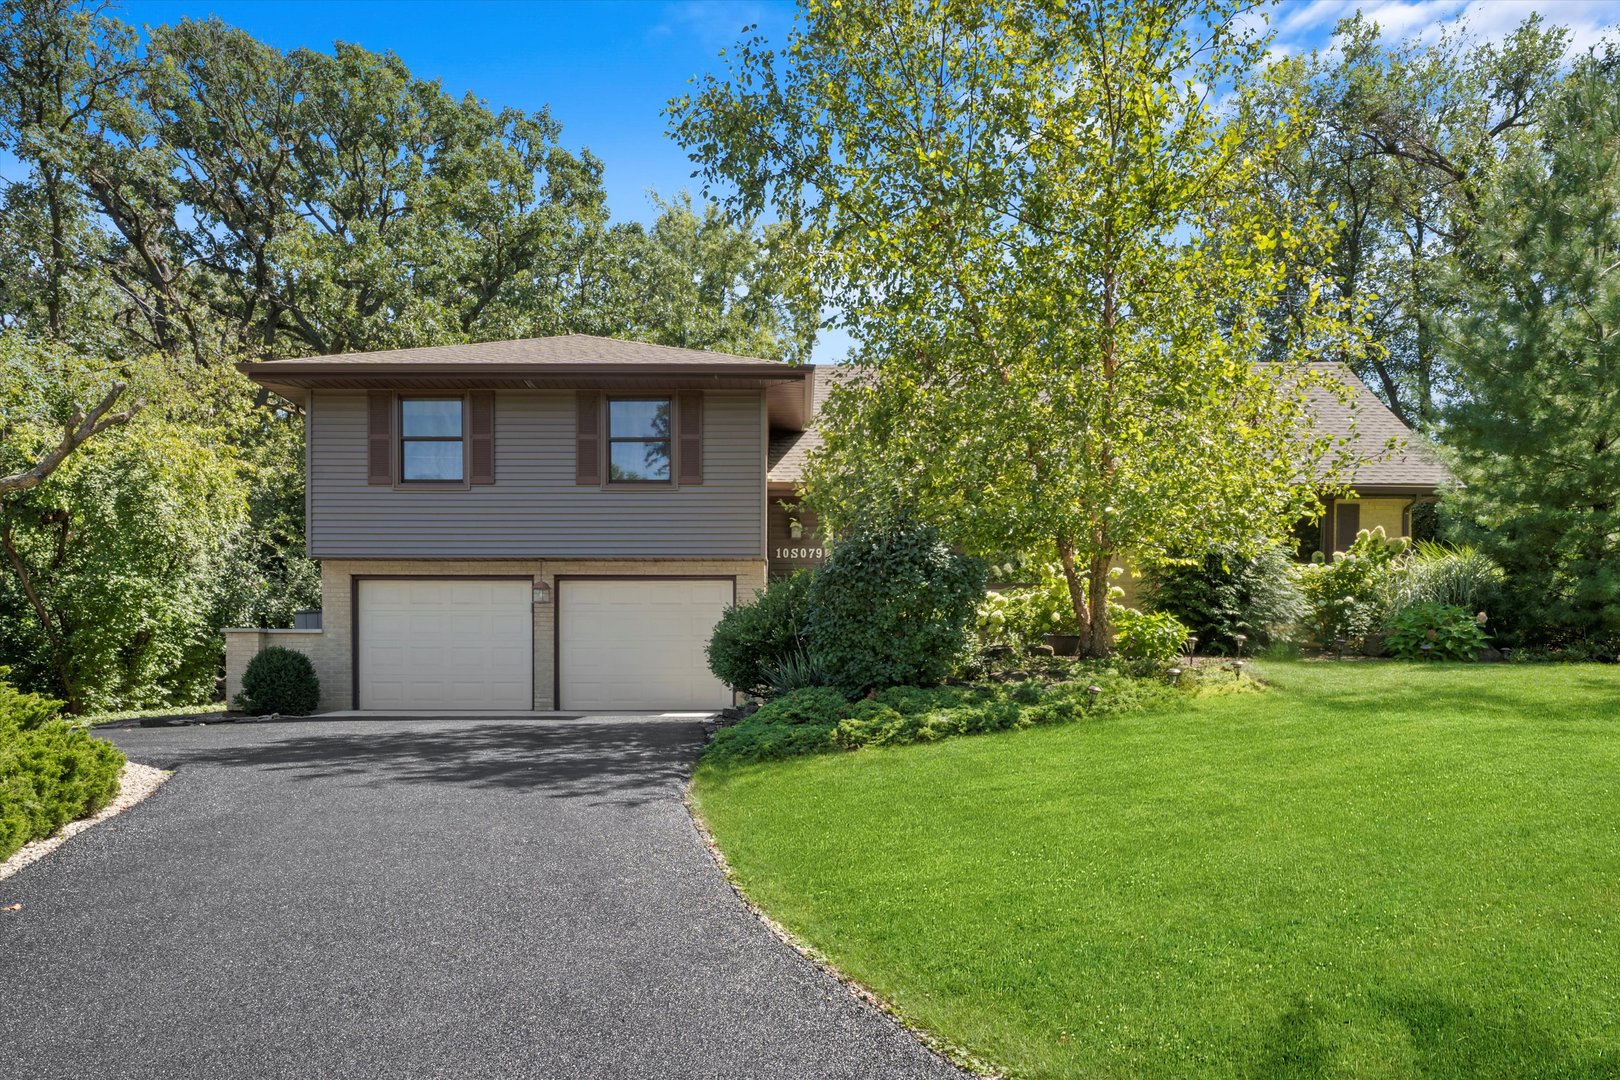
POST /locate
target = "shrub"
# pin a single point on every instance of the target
(751, 638)
(811, 705)
(1452, 576)
(795, 671)
(892, 607)
(51, 771)
(1450, 632)
(280, 681)
(1349, 595)
(818, 720)
(797, 723)
(1226, 594)
(1148, 640)
(1020, 617)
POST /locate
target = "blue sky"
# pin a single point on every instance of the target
(607, 68)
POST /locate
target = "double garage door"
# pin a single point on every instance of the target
(467, 644)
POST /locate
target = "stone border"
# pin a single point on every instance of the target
(949, 1052)
(135, 783)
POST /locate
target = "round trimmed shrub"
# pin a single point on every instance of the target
(893, 607)
(754, 642)
(280, 681)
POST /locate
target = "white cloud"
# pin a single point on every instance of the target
(1302, 24)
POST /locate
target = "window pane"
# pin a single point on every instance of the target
(424, 417)
(639, 460)
(432, 460)
(638, 419)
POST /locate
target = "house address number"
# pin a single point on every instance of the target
(801, 553)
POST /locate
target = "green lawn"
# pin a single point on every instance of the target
(1373, 870)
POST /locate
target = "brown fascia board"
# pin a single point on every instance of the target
(1380, 490)
(303, 369)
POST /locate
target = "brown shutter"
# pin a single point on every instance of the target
(481, 437)
(587, 438)
(689, 428)
(379, 437)
(1347, 522)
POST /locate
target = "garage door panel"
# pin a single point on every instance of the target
(451, 644)
(638, 643)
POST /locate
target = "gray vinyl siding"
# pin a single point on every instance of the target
(534, 509)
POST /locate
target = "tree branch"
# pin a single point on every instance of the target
(78, 430)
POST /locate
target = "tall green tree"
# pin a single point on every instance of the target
(112, 565)
(1537, 339)
(1401, 144)
(1055, 253)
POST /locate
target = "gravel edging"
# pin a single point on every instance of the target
(947, 1051)
(135, 783)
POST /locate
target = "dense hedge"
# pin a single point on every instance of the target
(280, 680)
(51, 771)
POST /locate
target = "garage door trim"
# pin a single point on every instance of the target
(354, 616)
(556, 611)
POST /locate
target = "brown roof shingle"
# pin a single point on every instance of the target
(1370, 425)
(560, 349)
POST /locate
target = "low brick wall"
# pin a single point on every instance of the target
(243, 644)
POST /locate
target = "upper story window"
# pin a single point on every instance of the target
(431, 444)
(639, 446)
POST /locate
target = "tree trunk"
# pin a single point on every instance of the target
(1099, 635)
(1077, 587)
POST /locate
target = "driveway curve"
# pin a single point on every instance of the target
(414, 898)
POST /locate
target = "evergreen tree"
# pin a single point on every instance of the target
(1537, 341)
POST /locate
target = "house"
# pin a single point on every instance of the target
(1386, 489)
(557, 523)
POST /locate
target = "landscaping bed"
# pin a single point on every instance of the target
(822, 720)
(1372, 869)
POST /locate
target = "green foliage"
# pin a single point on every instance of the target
(820, 721)
(1349, 595)
(51, 772)
(1451, 575)
(1020, 617)
(1055, 288)
(751, 640)
(892, 607)
(799, 722)
(288, 203)
(280, 680)
(1227, 594)
(1452, 633)
(1536, 440)
(795, 671)
(1400, 138)
(114, 566)
(1148, 640)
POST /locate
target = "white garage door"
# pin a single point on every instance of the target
(450, 644)
(629, 644)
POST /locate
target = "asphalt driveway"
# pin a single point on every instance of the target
(413, 898)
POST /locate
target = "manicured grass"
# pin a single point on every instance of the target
(1373, 870)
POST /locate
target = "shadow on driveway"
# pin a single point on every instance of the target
(623, 761)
